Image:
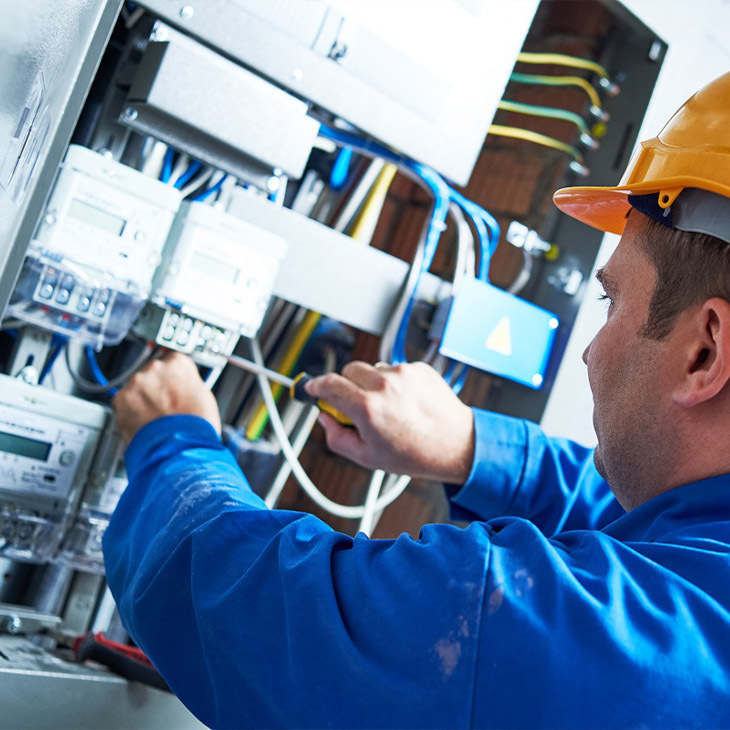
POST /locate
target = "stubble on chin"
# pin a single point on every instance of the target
(598, 462)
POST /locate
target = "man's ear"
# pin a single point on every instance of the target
(706, 368)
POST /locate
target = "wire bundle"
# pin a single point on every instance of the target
(190, 180)
(596, 109)
(446, 201)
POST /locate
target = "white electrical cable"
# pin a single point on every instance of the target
(463, 249)
(198, 180)
(358, 195)
(339, 510)
(300, 440)
(390, 481)
(387, 340)
(368, 518)
(523, 276)
(465, 264)
(180, 166)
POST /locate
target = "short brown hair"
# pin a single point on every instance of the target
(690, 267)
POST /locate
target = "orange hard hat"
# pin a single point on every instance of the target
(692, 151)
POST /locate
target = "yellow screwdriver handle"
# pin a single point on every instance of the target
(298, 392)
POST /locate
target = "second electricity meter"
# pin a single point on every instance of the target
(214, 283)
(47, 441)
(89, 267)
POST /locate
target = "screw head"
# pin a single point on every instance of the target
(187, 12)
(129, 114)
(14, 625)
(159, 32)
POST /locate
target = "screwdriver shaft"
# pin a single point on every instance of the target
(252, 367)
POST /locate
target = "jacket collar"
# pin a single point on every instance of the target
(700, 502)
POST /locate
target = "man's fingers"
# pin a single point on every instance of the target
(364, 375)
(341, 439)
(338, 391)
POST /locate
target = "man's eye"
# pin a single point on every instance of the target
(605, 298)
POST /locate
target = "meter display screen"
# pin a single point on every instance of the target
(96, 217)
(214, 267)
(21, 446)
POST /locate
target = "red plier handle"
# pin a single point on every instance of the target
(130, 652)
(126, 661)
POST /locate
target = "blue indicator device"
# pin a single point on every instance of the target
(493, 330)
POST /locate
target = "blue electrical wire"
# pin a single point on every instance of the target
(475, 212)
(484, 223)
(487, 230)
(186, 176)
(436, 226)
(341, 169)
(58, 342)
(167, 165)
(96, 370)
(214, 189)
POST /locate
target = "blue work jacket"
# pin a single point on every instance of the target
(553, 609)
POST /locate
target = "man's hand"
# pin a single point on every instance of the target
(407, 420)
(165, 387)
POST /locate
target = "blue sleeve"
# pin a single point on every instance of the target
(268, 618)
(521, 472)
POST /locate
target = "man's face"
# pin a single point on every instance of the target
(626, 372)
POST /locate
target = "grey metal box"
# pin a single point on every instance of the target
(193, 98)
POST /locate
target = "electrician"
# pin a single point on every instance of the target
(563, 604)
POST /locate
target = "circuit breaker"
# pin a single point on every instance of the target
(88, 269)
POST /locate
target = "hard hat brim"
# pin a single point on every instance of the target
(604, 208)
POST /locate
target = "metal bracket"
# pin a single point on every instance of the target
(16, 620)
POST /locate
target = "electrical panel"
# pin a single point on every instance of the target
(89, 266)
(197, 206)
(214, 283)
(47, 441)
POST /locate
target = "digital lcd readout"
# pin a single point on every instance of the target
(96, 217)
(22, 446)
(214, 267)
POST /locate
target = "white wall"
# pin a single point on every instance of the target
(699, 50)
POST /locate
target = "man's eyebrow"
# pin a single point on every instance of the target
(605, 280)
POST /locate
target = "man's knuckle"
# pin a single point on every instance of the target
(330, 380)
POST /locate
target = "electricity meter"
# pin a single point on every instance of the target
(89, 267)
(214, 283)
(47, 441)
(81, 547)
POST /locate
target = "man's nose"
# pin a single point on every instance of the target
(585, 352)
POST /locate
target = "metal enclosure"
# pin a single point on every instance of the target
(232, 117)
(41, 690)
(49, 53)
(436, 109)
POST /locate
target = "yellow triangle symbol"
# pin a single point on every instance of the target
(500, 340)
